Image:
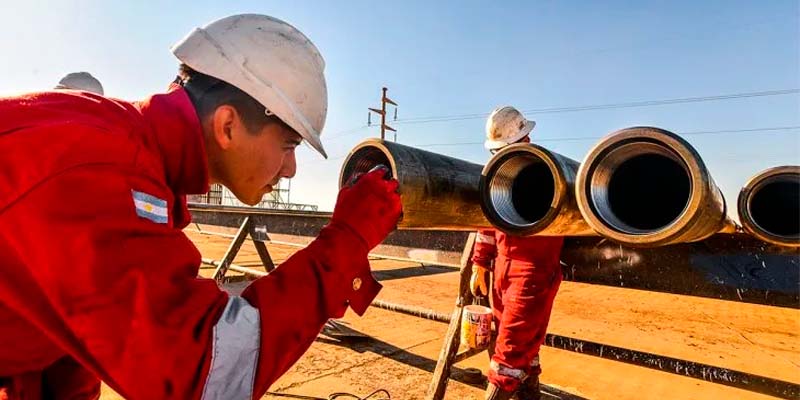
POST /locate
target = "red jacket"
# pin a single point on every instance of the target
(95, 265)
(539, 250)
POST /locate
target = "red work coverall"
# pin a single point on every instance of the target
(97, 280)
(527, 273)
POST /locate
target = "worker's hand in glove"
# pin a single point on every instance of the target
(477, 283)
(369, 206)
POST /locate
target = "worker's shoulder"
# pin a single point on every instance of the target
(45, 134)
(67, 107)
(68, 116)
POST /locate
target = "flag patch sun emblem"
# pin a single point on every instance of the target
(150, 207)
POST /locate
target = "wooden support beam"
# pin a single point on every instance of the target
(452, 339)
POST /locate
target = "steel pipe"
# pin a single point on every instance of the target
(648, 187)
(769, 206)
(414, 311)
(527, 190)
(438, 192)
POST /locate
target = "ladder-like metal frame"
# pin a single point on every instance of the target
(258, 233)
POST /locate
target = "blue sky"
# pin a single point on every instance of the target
(467, 57)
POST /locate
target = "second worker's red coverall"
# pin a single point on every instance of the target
(97, 280)
(527, 274)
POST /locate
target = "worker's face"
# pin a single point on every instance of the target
(250, 164)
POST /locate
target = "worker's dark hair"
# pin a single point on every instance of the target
(207, 93)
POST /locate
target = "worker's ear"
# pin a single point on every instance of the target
(224, 123)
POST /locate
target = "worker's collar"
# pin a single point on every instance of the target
(179, 137)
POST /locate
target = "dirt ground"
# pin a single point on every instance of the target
(399, 352)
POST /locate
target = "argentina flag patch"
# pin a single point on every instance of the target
(150, 207)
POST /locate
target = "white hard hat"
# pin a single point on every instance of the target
(506, 125)
(268, 59)
(80, 81)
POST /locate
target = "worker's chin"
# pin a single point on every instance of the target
(251, 200)
(254, 197)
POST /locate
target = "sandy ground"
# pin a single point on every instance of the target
(400, 352)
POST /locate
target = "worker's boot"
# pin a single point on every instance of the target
(529, 389)
(495, 393)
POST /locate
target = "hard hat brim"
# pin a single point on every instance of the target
(498, 144)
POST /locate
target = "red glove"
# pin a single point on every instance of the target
(370, 207)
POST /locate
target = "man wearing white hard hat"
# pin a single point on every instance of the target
(80, 81)
(99, 282)
(527, 274)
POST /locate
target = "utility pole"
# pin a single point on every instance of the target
(382, 113)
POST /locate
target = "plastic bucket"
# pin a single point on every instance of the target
(476, 326)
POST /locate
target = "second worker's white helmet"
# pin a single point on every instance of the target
(506, 125)
(80, 81)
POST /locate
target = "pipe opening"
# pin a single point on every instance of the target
(362, 161)
(775, 206)
(522, 190)
(641, 188)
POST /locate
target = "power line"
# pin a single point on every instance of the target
(644, 103)
(553, 110)
(775, 129)
(579, 138)
(338, 135)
